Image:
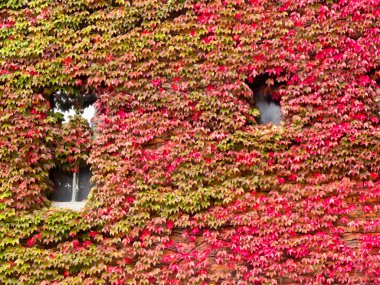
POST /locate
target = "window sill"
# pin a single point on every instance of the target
(75, 206)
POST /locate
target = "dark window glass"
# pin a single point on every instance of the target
(63, 186)
(65, 183)
(266, 98)
(270, 110)
(84, 184)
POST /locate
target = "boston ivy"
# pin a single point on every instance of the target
(190, 189)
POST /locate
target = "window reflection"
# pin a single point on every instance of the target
(71, 187)
(266, 98)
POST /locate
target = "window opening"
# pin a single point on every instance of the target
(69, 105)
(267, 99)
(72, 188)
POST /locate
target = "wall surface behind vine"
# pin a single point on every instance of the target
(190, 189)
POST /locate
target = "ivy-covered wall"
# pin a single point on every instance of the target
(189, 188)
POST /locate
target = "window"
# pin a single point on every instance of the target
(68, 105)
(267, 99)
(72, 188)
(88, 114)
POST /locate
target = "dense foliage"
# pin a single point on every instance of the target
(189, 188)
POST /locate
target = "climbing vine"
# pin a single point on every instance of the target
(189, 188)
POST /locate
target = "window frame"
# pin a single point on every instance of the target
(73, 204)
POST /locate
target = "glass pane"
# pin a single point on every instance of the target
(88, 114)
(269, 112)
(84, 184)
(66, 114)
(62, 186)
(69, 105)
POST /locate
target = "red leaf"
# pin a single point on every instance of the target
(281, 180)
(156, 82)
(67, 61)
